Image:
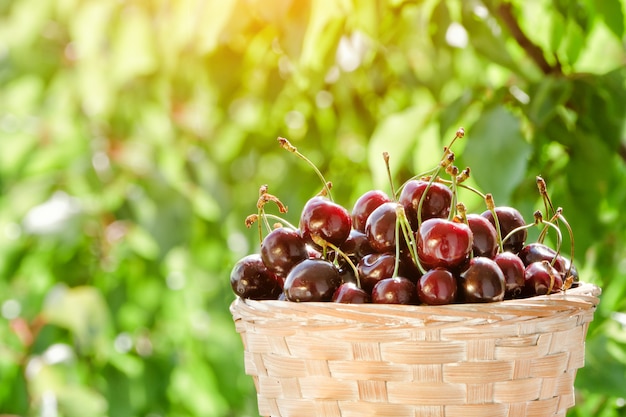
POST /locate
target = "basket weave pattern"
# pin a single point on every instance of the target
(513, 358)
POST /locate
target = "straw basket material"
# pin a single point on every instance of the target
(512, 358)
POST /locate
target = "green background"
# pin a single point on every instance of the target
(134, 137)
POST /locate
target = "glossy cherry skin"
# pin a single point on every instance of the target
(250, 278)
(510, 219)
(537, 252)
(398, 290)
(357, 245)
(541, 278)
(325, 221)
(281, 249)
(436, 203)
(375, 267)
(364, 206)
(380, 227)
(482, 281)
(349, 293)
(437, 287)
(513, 269)
(443, 243)
(312, 280)
(485, 240)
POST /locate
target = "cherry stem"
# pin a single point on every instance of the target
(543, 190)
(281, 220)
(407, 232)
(347, 259)
(285, 144)
(571, 239)
(491, 206)
(386, 158)
(426, 174)
(453, 171)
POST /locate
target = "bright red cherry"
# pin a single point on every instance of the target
(513, 269)
(443, 243)
(375, 267)
(396, 290)
(380, 227)
(482, 281)
(485, 241)
(349, 293)
(437, 287)
(436, 203)
(541, 278)
(509, 219)
(364, 206)
(322, 219)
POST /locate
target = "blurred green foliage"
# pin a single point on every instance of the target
(134, 136)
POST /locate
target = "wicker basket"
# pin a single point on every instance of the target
(511, 358)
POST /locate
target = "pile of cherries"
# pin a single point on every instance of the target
(418, 245)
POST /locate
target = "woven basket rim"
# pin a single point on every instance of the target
(585, 296)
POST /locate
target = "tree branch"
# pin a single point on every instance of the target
(505, 10)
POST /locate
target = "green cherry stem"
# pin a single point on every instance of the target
(285, 144)
(491, 206)
(571, 238)
(389, 177)
(348, 260)
(453, 171)
(408, 235)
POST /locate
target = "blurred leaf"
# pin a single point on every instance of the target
(396, 134)
(604, 373)
(14, 395)
(133, 52)
(322, 33)
(83, 311)
(495, 144)
(142, 243)
(612, 13)
(546, 97)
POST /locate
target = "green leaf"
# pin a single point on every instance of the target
(322, 32)
(546, 96)
(83, 311)
(497, 153)
(142, 243)
(397, 134)
(613, 14)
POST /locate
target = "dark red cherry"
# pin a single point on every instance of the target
(281, 249)
(510, 219)
(398, 290)
(375, 267)
(349, 293)
(357, 245)
(322, 219)
(541, 278)
(436, 203)
(437, 287)
(482, 281)
(536, 252)
(250, 278)
(513, 269)
(364, 206)
(443, 243)
(485, 241)
(380, 227)
(312, 280)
